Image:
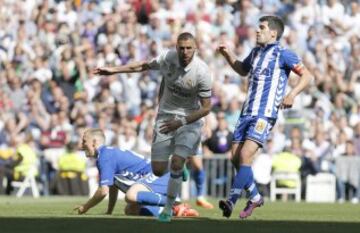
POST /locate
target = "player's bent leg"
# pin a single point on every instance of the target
(131, 194)
(244, 177)
(226, 208)
(159, 167)
(132, 209)
(235, 155)
(160, 153)
(247, 154)
(174, 185)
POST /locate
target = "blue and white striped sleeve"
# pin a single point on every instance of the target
(292, 62)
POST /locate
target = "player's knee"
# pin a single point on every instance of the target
(235, 162)
(131, 210)
(176, 167)
(130, 196)
(158, 172)
(159, 168)
(177, 163)
(244, 159)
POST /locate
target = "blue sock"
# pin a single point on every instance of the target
(199, 178)
(251, 186)
(150, 211)
(240, 181)
(150, 198)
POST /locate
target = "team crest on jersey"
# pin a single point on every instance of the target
(260, 126)
(189, 83)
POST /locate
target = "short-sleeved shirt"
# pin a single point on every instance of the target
(183, 86)
(128, 164)
(269, 68)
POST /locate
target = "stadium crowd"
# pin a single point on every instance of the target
(49, 95)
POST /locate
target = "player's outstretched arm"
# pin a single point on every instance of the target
(231, 59)
(98, 196)
(305, 79)
(112, 199)
(132, 67)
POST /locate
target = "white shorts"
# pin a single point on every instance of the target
(183, 142)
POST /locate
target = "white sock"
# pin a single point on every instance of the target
(256, 198)
(174, 186)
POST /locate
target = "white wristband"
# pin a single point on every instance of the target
(183, 121)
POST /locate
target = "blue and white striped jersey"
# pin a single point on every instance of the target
(269, 69)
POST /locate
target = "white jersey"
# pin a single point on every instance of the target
(183, 86)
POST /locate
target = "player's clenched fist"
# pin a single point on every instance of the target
(222, 49)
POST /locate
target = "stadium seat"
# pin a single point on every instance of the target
(28, 182)
(275, 189)
(321, 188)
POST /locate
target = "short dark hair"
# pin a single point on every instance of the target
(186, 36)
(274, 23)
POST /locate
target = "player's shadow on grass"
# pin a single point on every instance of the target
(148, 225)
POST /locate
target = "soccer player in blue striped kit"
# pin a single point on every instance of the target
(268, 67)
(145, 193)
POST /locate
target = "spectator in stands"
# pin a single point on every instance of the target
(308, 165)
(23, 161)
(6, 169)
(357, 139)
(220, 140)
(347, 174)
(287, 162)
(71, 176)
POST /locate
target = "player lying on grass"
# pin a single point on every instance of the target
(145, 193)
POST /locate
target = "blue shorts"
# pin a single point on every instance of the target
(254, 128)
(156, 184)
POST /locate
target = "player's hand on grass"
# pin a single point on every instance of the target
(80, 209)
(103, 71)
(170, 125)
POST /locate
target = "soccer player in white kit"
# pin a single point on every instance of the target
(185, 100)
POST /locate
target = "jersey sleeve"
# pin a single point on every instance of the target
(205, 84)
(155, 63)
(292, 62)
(106, 172)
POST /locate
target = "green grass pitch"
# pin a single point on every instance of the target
(55, 214)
